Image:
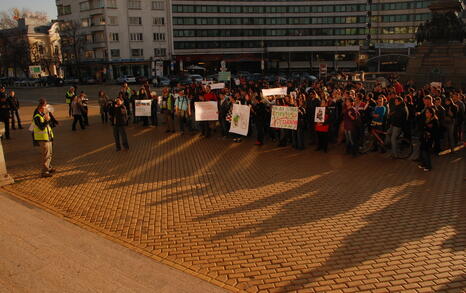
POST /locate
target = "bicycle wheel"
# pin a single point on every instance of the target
(405, 148)
(367, 144)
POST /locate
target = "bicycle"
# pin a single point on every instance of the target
(404, 145)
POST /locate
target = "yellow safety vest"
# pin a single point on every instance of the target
(69, 97)
(46, 134)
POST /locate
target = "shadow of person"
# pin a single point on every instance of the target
(414, 215)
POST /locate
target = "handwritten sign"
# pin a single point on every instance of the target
(240, 119)
(143, 108)
(284, 117)
(206, 111)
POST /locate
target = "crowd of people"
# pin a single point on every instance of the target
(431, 117)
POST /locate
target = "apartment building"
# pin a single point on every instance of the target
(293, 34)
(120, 37)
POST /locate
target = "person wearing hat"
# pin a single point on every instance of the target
(43, 134)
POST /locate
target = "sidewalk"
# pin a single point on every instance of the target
(43, 253)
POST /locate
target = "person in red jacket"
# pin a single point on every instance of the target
(322, 129)
(208, 96)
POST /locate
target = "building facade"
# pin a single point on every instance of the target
(32, 43)
(285, 35)
(119, 37)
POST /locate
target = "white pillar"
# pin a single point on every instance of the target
(5, 179)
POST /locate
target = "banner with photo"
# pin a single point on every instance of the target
(319, 115)
(284, 117)
(240, 119)
(143, 108)
(206, 111)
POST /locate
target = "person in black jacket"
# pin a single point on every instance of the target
(429, 131)
(260, 113)
(14, 110)
(120, 120)
(397, 117)
(5, 114)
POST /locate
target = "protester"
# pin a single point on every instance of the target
(167, 109)
(427, 139)
(103, 106)
(182, 111)
(322, 129)
(69, 96)
(5, 112)
(154, 109)
(43, 134)
(120, 120)
(77, 112)
(14, 110)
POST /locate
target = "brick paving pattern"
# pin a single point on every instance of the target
(258, 219)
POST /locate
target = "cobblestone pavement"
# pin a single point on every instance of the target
(258, 219)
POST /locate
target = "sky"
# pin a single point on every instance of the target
(47, 6)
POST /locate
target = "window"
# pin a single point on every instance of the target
(115, 53)
(89, 54)
(85, 22)
(114, 37)
(83, 6)
(97, 4)
(111, 4)
(158, 5)
(135, 20)
(160, 52)
(159, 37)
(137, 52)
(134, 4)
(158, 21)
(66, 9)
(113, 20)
(138, 37)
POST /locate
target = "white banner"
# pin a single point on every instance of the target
(217, 86)
(206, 111)
(284, 117)
(281, 91)
(143, 108)
(320, 115)
(240, 119)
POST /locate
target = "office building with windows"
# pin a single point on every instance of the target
(294, 35)
(115, 37)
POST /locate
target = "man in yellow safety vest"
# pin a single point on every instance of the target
(70, 94)
(43, 134)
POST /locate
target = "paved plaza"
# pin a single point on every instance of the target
(249, 218)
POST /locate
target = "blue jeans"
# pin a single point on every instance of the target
(393, 134)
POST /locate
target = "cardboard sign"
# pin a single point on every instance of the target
(206, 111)
(217, 86)
(320, 115)
(284, 117)
(240, 119)
(143, 108)
(281, 91)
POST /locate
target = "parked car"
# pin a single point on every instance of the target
(141, 79)
(161, 81)
(89, 80)
(195, 77)
(127, 79)
(51, 81)
(71, 81)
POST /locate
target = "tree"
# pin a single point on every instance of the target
(9, 18)
(72, 44)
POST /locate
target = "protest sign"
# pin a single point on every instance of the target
(240, 119)
(320, 115)
(275, 92)
(284, 117)
(143, 108)
(436, 84)
(206, 111)
(224, 76)
(217, 86)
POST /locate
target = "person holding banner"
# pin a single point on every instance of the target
(322, 127)
(208, 96)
